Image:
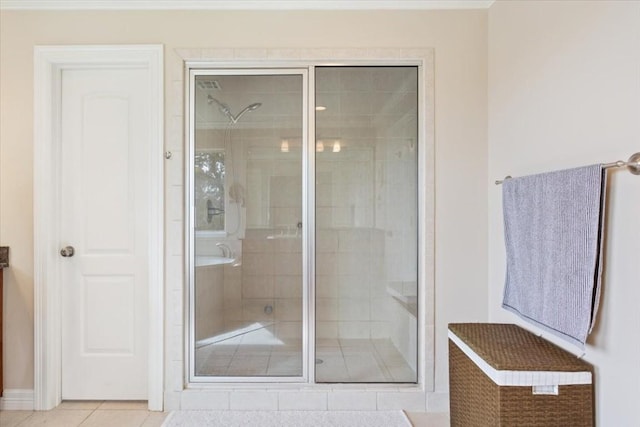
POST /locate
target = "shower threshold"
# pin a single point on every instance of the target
(233, 334)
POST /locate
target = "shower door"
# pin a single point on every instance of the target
(247, 225)
(304, 225)
(366, 228)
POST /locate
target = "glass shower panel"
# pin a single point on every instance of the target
(247, 217)
(366, 224)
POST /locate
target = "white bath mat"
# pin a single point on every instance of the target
(287, 419)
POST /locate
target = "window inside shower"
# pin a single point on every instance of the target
(303, 235)
(209, 197)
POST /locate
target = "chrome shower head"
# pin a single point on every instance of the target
(224, 109)
(251, 107)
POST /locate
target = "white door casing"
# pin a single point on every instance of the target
(98, 186)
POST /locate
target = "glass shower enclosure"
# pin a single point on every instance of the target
(303, 234)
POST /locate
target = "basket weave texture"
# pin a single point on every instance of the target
(475, 400)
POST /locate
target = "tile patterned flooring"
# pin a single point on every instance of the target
(343, 360)
(338, 360)
(133, 414)
(86, 414)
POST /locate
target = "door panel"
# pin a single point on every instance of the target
(108, 141)
(248, 286)
(366, 224)
(109, 309)
(104, 194)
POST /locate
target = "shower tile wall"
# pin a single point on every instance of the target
(209, 294)
(350, 290)
(396, 212)
(351, 300)
(270, 285)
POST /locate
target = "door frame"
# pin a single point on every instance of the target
(192, 71)
(49, 62)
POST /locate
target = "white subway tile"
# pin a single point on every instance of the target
(175, 307)
(172, 400)
(302, 401)
(353, 309)
(217, 53)
(354, 330)
(288, 286)
(326, 309)
(380, 330)
(326, 264)
(326, 330)
(283, 53)
(257, 286)
(174, 138)
(173, 343)
(175, 272)
(288, 309)
(257, 245)
(437, 402)
(354, 263)
(253, 400)
(408, 401)
(287, 264)
(174, 168)
(326, 286)
(175, 203)
(250, 53)
(205, 400)
(352, 401)
(175, 66)
(175, 244)
(327, 241)
(174, 380)
(287, 330)
(174, 97)
(189, 53)
(354, 240)
(291, 245)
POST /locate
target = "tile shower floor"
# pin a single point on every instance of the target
(259, 353)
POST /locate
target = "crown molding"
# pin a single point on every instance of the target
(243, 4)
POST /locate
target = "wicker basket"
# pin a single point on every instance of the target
(502, 375)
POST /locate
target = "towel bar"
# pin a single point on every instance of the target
(633, 165)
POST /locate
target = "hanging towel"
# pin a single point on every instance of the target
(553, 226)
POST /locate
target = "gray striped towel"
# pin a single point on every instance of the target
(553, 226)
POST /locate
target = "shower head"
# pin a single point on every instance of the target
(251, 107)
(224, 108)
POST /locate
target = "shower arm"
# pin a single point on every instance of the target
(224, 108)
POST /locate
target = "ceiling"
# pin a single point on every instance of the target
(242, 4)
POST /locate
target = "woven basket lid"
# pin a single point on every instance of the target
(510, 347)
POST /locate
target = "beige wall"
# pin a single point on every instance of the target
(564, 90)
(460, 42)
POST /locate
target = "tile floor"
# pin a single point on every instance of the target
(133, 414)
(260, 353)
(86, 414)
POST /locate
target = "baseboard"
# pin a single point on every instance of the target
(17, 400)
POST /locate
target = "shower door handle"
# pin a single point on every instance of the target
(67, 251)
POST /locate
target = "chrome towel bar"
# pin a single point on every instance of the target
(633, 165)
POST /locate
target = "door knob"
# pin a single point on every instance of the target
(67, 251)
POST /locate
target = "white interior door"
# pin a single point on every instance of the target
(105, 211)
